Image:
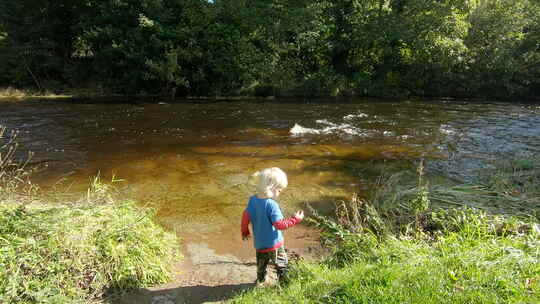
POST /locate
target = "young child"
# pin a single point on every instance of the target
(267, 222)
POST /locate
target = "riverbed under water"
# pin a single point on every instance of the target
(192, 160)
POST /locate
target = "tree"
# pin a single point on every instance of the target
(503, 53)
(40, 39)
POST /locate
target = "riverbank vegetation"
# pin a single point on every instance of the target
(73, 252)
(458, 48)
(11, 93)
(400, 246)
(76, 253)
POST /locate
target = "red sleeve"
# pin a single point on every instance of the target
(286, 223)
(244, 226)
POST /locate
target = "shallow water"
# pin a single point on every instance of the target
(192, 160)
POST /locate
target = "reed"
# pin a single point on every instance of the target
(14, 170)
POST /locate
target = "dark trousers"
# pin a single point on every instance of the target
(278, 258)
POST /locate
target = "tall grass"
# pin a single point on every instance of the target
(473, 258)
(73, 253)
(511, 187)
(64, 254)
(14, 172)
(399, 245)
(458, 268)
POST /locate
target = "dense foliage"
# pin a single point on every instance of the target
(198, 47)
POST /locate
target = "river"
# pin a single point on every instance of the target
(191, 160)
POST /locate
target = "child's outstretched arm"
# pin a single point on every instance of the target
(287, 223)
(244, 226)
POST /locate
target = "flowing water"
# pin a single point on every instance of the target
(192, 161)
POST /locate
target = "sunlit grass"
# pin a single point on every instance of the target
(388, 250)
(76, 252)
(13, 94)
(456, 269)
(66, 254)
(463, 256)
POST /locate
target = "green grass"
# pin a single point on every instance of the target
(73, 253)
(410, 243)
(512, 187)
(472, 262)
(76, 253)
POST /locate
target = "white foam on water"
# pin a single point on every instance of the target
(446, 129)
(329, 128)
(353, 116)
(324, 122)
(299, 130)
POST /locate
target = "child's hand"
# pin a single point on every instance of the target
(299, 215)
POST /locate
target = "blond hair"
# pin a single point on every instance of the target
(269, 180)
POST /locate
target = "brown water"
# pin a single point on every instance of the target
(192, 160)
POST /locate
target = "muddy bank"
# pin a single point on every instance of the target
(214, 270)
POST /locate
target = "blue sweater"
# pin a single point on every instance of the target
(262, 213)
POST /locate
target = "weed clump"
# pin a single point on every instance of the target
(67, 254)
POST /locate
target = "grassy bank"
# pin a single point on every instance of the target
(73, 253)
(413, 244)
(68, 254)
(471, 263)
(9, 93)
(77, 252)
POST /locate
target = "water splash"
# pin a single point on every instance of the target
(329, 128)
(299, 130)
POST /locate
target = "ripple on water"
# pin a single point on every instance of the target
(190, 161)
